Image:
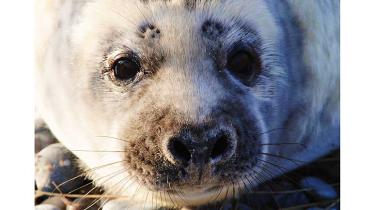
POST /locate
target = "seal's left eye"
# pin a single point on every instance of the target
(245, 64)
(126, 68)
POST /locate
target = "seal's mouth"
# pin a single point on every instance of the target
(198, 195)
(199, 188)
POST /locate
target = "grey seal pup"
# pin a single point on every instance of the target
(182, 103)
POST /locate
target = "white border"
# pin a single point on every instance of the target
(356, 104)
(17, 105)
(17, 109)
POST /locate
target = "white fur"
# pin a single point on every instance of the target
(59, 104)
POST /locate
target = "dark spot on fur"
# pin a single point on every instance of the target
(190, 4)
(148, 30)
(212, 29)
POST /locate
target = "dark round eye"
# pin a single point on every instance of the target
(126, 68)
(245, 64)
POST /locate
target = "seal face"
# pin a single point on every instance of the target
(191, 98)
(169, 152)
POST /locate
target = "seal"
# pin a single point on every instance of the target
(182, 103)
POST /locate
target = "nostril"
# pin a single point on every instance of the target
(220, 147)
(179, 150)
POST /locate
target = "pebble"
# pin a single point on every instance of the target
(47, 207)
(43, 136)
(55, 201)
(321, 188)
(291, 199)
(83, 204)
(54, 164)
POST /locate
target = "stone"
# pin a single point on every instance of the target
(55, 164)
(47, 207)
(43, 136)
(320, 187)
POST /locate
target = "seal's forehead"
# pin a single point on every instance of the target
(127, 15)
(180, 27)
(253, 12)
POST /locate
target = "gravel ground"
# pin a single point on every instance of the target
(313, 187)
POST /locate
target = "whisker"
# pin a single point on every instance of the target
(333, 204)
(245, 184)
(76, 189)
(248, 180)
(161, 198)
(142, 14)
(136, 191)
(117, 187)
(268, 174)
(255, 182)
(227, 193)
(80, 150)
(259, 176)
(125, 18)
(288, 191)
(311, 204)
(177, 194)
(92, 182)
(40, 192)
(284, 143)
(111, 175)
(168, 192)
(234, 199)
(63, 198)
(84, 173)
(180, 196)
(110, 137)
(219, 193)
(281, 170)
(286, 158)
(156, 201)
(271, 130)
(144, 203)
(174, 205)
(93, 203)
(271, 187)
(152, 200)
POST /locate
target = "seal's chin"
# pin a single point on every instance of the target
(187, 196)
(194, 195)
(198, 195)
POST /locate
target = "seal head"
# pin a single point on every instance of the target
(186, 103)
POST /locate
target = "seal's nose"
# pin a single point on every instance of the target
(214, 148)
(178, 149)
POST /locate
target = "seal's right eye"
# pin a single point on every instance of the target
(126, 68)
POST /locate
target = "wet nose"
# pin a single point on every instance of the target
(213, 149)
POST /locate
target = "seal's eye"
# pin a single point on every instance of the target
(244, 64)
(126, 68)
